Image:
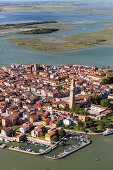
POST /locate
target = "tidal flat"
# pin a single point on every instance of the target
(64, 43)
(63, 7)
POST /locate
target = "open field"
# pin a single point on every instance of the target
(63, 43)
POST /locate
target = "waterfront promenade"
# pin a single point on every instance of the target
(80, 132)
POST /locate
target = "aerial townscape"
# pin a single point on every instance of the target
(47, 105)
(56, 85)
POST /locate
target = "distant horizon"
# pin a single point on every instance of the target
(57, 1)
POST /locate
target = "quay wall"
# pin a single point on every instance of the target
(74, 150)
(33, 153)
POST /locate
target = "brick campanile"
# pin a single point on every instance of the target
(72, 94)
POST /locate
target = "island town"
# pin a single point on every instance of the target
(48, 105)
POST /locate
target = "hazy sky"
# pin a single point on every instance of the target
(58, 0)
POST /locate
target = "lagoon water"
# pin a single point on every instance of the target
(100, 56)
(101, 147)
(10, 53)
(84, 159)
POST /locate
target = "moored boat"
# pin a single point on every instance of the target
(108, 132)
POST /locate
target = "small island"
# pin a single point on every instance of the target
(25, 24)
(39, 31)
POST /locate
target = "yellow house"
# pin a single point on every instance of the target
(32, 119)
(45, 122)
(44, 108)
(89, 92)
(47, 137)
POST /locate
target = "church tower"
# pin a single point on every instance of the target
(72, 94)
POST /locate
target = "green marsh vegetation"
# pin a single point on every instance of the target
(69, 42)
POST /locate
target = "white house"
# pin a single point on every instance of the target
(98, 108)
(26, 127)
(67, 122)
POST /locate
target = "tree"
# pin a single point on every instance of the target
(80, 123)
(103, 67)
(61, 132)
(108, 125)
(88, 119)
(105, 103)
(67, 108)
(93, 129)
(108, 67)
(108, 80)
(41, 134)
(105, 81)
(96, 99)
(103, 74)
(89, 124)
(84, 112)
(54, 138)
(73, 108)
(63, 88)
(101, 125)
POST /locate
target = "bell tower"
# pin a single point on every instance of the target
(72, 94)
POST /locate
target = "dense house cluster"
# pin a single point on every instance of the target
(33, 93)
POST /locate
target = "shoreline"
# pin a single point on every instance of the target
(34, 153)
(81, 132)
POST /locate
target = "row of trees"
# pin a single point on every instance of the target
(95, 126)
(98, 126)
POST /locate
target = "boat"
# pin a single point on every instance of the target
(97, 159)
(3, 145)
(108, 132)
(41, 150)
(6, 140)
